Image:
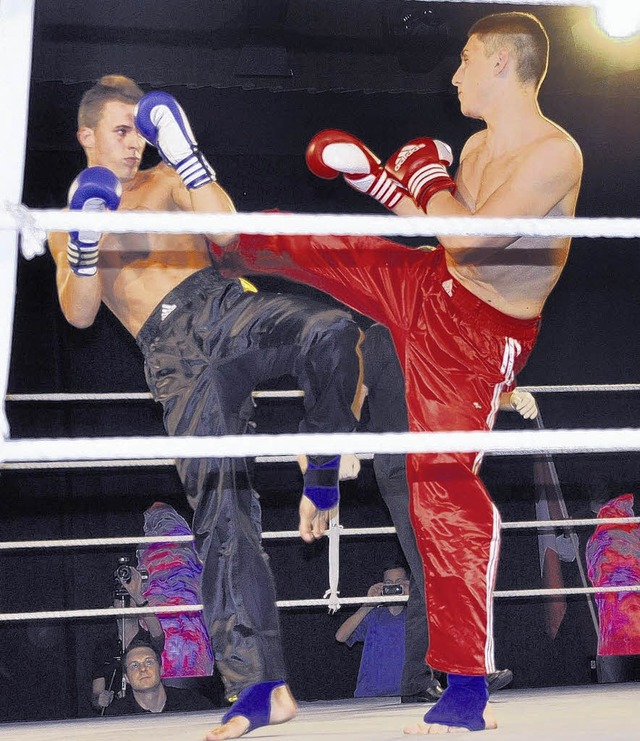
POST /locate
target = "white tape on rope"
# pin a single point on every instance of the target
(496, 442)
(340, 224)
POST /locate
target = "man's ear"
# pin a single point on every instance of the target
(501, 60)
(86, 137)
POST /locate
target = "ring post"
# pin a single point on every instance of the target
(16, 39)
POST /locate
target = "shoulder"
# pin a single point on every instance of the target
(562, 142)
(473, 143)
(557, 151)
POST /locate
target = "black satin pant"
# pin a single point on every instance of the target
(202, 362)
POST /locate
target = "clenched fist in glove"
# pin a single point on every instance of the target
(332, 151)
(95, 189)
(163, 123)
(421, 167)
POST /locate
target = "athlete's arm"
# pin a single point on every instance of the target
(76, 254)
(164, 124)
(548, 173)
(79, 296)
(210, 198)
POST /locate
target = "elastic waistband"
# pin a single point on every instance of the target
(478, 310)
(202, 282)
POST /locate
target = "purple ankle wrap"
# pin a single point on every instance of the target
(462, 703)
(321, 483)
(254, 704)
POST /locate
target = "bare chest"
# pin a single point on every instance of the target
(480, 176)
(145, 248)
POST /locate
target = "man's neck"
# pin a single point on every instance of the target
(508, 123)
(152, 700)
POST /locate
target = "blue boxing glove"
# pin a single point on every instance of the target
(95, 189)
(163, 123)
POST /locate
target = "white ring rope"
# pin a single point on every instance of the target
(269, 458)
(16, 545)
(297, 393)
(494, 442)
(324, 602)
(337, 224)
(585, 3)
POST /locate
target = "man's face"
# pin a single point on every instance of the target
(396, 577)
(142, 669)
(115, 142)
(473, 77)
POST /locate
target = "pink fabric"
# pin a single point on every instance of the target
(174, 579)
(613, 559)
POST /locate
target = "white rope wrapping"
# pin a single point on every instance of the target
(332, 594)
(338, 224)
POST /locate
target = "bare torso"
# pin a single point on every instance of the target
(516, 279)
(138, 270)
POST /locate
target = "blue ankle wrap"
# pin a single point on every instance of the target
(462, 703)
(321, 482)
(254, 704)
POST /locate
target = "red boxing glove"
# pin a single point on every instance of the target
(331, 152)
(421, 167)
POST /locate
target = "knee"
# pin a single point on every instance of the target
(334, 330)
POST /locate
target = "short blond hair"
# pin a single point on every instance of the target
(109, 87)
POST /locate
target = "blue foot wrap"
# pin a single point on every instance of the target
(254, 704)
(321, 482)
(462, 703)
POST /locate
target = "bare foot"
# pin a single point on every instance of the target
(282, 708)
(314, 522)
(436, 729)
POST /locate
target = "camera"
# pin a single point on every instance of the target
(388, 589)
(123, 571)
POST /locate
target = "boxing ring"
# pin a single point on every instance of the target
(581, 713)
(575, 714)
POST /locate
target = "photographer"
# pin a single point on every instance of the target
(107, 679)
(382, 628)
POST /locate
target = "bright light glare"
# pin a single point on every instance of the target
(618, 18)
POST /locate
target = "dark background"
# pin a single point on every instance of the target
(257, 80)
